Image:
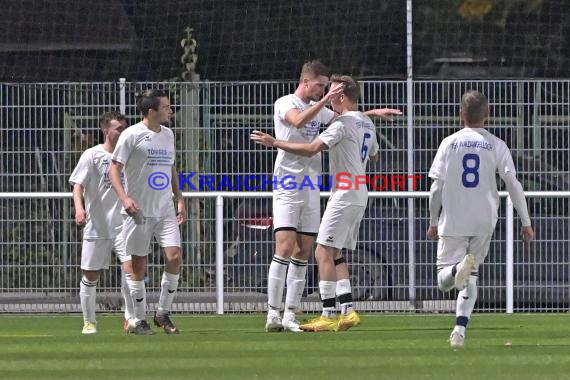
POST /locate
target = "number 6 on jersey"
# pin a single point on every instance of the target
(364, 149)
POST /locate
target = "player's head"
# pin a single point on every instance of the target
(474, 107)
(112, 124)
(314, 79)
(155, 105)
(348, 99)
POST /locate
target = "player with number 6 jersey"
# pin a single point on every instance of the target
(351, 140)
(298, 118)
(464, 190)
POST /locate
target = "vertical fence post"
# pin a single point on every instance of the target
(410, 157)
(122, 96)
(219, 255)
(510, 256)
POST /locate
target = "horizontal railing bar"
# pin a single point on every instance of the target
(268, 194)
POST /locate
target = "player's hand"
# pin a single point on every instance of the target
(432, 233)
(262, 138)
(81, 218)
(384, 113)
(181, 211)
(335, 90)
(527, 234)
(130, 206)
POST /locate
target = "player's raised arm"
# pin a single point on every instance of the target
(300, 118)
(384, 113)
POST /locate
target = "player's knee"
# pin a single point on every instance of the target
(174, 257)
(287, 248)
(127, 266)
(324, 255)
(444, 282)
(91, 276)
(301, 254)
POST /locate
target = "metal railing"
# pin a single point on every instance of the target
(220, 254)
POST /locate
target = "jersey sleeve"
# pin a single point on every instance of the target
(505, 162)
(333, 134)
(124, 147)
(171, 132)
(438, 167)
(374, 147)
(81, 173)
(282, 106)
(516, 192)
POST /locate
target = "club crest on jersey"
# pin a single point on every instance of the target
(147, 138)
(312, 128)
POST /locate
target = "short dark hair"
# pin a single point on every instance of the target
(474, 105)
(315, 68)
(107, 117)
(351, 86)
(150, 100)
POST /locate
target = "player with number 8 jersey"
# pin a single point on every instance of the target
(464, 189)
(467, 162)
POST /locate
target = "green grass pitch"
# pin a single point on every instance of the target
(405, 346)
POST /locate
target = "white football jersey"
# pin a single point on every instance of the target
(148, 158)
(288, 163)
(103, 208)
(351, 139)
(467, 163)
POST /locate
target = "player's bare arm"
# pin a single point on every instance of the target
(301, 149)
(435, 202)
(384, 113)
(178, 198)
(299, 119)
(128, 203)
(80, 213)
(516, 193)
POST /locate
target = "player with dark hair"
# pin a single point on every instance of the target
(146, 151)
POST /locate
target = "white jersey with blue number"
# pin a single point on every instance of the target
(289, 164)
(467, 163)
(351, 139)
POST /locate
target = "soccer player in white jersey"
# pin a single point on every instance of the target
(298, 118)
(351, 140)
(97, 209)
(146, 151)
(464, 190)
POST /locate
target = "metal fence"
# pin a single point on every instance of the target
(45, 127)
